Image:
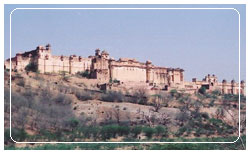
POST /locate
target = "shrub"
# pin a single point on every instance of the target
(181, 131)
(136, 130)
(94, 131)
(31, 67)
(202, 90)
(123, 130)
(21, 83)
(6, 70)
(182, 117)
(62, 99)
(83, 95)
(205, 115)
(173, 92)
(160, 130)
(148, 131)
(140, 97)
(216, 92)
(116, 81)
(18, 134)
(211, 104)
(73, 123)
(85, 74)
(108, 131)
(7, 138)
(113, 96)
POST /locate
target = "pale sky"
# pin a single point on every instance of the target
(199, 41)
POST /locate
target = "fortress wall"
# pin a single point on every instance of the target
(159, 75)
(22, 62)
(80, 66)
(13, 64)
(62, 63)
(101, 63)
(126, 74)
(177, 77)
(53, 64)
(229, 88)
(124, 69)
(7, 63)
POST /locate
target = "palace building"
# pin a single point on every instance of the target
(125, 70)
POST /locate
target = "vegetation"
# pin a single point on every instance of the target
(21, 82)
(83, 95)
(85, 74)
(31, 67)
(138, 146)
(49, 114)
(113, 96)
(202, 90)
(139, 96)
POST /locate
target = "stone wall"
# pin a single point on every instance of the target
(127, 70)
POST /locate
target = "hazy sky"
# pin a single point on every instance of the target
(199, 41)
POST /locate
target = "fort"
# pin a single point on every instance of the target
(125, 71)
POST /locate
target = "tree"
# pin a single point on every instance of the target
(202, 90)
(157, 103)
(220, 113)
(117, 114)
(141, 96)
(148, 131)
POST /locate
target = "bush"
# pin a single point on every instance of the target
(85, 74)
(205, 115)
(21, 83)
(31, 67)
(216, 92)
(113, 96)
(140, 97)
(202, 90)
(18, 134)
(73, 123)
(62, 99)
(83, 95)
(148, 131)
(7, 138)
(108, 131)
(160, 130)
(116, 81)
(211, 104)
(173, 92)
(181, 131)
(123, 130)
(136, 131)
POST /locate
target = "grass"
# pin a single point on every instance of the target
(163, 146)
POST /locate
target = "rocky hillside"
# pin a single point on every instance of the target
(47, 107)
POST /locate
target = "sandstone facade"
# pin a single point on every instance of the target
(124, 70)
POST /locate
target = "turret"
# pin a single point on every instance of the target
(97, 52)
(105, 54)
(233, 82)
(233, 85)
(224, 84)
(242, 86)
(48, 47)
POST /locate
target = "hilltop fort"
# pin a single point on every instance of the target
(124, 71)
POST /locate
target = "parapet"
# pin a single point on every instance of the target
(127, 59)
